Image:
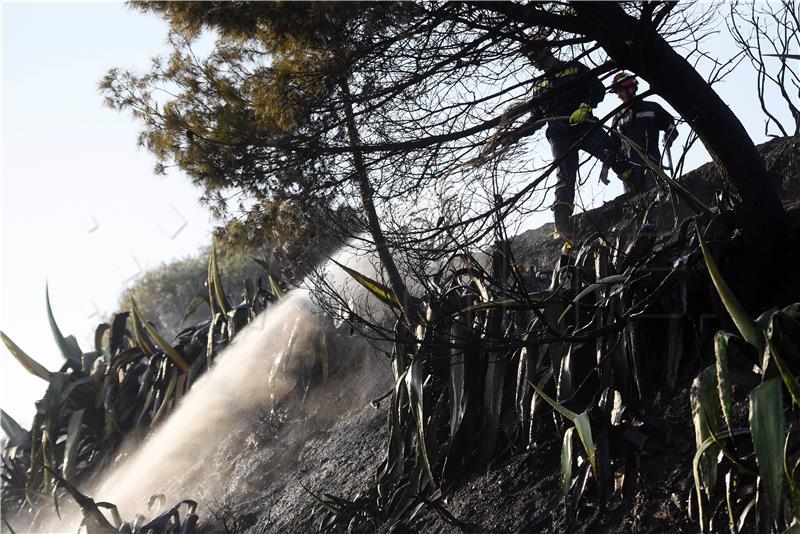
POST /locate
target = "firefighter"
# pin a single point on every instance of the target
(567, 91)
(641, 121)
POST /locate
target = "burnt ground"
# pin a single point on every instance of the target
(337, 443)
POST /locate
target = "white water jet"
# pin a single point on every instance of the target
(181, 458)
(178, 459)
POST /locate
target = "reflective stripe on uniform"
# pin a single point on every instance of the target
(566, 72)
(646, 115)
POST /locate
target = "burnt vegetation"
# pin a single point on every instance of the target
(385, 127)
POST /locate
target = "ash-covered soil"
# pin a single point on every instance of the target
(336, 444)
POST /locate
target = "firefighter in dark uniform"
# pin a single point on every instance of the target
(641, 121)
(568, 91)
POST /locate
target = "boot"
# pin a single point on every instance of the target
(563, 223)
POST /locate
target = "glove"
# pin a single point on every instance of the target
(579, 115)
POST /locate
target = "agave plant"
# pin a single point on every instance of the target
(602, 347)
(130, 382)
(754, 465)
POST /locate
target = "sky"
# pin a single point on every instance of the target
(80, 207)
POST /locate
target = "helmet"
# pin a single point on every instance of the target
(536, 51)
(535, 46)
(624, 79)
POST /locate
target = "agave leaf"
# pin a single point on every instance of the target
(162, 409)
(180, 388)
(433, 447)
(745, 512)
(116, 341)
(700, 479)
(54, 496)
(193, 305)
(16, 434)
(729, 500)
(566, 461)
(383, 293)
(781, 344)
(88, 359)
(216, 293)
(71, 445)
(459, 332)
(792, 476)
(704, 400)
(396, 429)
(581, 422)
(746, 326)
(492, 402)
(168, 349)
(139, 332)
(95, 520)
(148, 402)
(723, 377)
(276, 289)
(611, 280)
(30, 365)
(68, 346)
(99, 332)
(793, 310)
(114, 512)
(767, 430)
(414, 382)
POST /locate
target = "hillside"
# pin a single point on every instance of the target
(339, 455)
(289, 430)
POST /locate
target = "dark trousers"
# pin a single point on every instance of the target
(642, 177)
(596, 142)
(641, 180)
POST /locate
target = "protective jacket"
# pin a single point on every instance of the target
(560, 91)
(641, 122)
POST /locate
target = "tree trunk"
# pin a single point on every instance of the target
(637, 46)
(390, 270)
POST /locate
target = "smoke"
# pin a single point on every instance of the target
(189, 456)
(179, 458)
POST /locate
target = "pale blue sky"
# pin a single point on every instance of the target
(80, 204)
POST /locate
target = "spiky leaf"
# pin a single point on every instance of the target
(383, 293)
(276, 289)
(768, 433)
(566, 461)
(168, 349)
(16, 434)
(30, 365)
(216, 293)
(581, 422)
(69, 347)
(723, 378)
(784, 343)
(71, 445)
(744, 323)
